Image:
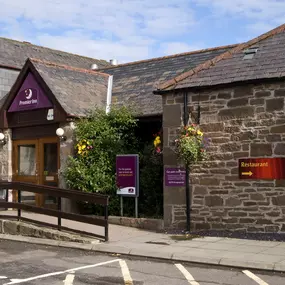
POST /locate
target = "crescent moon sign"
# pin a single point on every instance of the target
(29, 93)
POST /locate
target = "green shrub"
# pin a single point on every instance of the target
(99, 138)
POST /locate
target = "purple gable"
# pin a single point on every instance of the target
(30, 96)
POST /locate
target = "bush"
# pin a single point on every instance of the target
(151, 183)
(99, 138)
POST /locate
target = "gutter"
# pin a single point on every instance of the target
(109, 94)
(10, 67)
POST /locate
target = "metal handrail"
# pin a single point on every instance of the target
(60, 193)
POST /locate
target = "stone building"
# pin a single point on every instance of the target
(237, 92)
(67, 86)
(38, 116)
(241, 96)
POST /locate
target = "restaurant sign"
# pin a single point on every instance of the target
(262, 168)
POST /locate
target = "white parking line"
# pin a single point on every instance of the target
(186, 274)
(62, 272)
(3, 277)
(255, 278)
(69, 279)
(126, 273)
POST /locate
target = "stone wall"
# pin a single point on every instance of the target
(6, 158)
(241, 122)
(6, 163)
(7, 79)
(66, 149)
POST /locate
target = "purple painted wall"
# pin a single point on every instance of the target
(30, 96)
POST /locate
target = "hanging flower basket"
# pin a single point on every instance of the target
(190, 146)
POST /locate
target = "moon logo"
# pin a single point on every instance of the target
(29, 94)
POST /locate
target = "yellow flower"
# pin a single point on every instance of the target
(199, 133)
(79, 151)
(84, 146)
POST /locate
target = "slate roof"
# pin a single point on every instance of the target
(15, 53)
(2, 100)
(134, 82)
(268, 62)
(77, 90)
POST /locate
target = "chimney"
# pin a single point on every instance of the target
(113, 62)
(94, 66)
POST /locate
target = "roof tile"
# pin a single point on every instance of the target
(134, 82)
(15, 53)
(76, 89)
(268, 62)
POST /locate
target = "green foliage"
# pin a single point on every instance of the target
(151, 183)
(100, 137)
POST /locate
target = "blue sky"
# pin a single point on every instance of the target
(131, 30)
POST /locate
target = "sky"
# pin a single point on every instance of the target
(130, 30)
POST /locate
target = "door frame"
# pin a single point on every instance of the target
(39, 175)
(42, 141)
(15, 159)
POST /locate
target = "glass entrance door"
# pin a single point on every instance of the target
(36, 161)
(25, 166)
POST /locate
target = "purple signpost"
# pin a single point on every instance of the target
(127, 178)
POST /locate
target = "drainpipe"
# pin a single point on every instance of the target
(187, 190)
(109, 94)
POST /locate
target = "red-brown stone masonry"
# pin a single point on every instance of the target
(241, 122)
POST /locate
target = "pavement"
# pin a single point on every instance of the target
(22, 263)
(132, 242)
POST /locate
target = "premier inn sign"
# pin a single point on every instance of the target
(30, 96)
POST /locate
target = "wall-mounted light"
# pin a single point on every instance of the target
(2, 139)
(60, 134)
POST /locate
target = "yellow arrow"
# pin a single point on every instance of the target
(249, 173)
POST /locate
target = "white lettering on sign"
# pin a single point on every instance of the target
(28, 102)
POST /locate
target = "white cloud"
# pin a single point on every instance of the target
(260, 10)
(126, 29)
(100, 49)
(179, 47)
(260, 27)
(130, 29)
(254, 16)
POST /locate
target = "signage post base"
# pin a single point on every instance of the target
(136, 207)
(122, 206)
